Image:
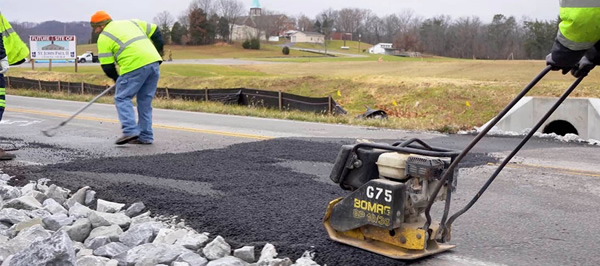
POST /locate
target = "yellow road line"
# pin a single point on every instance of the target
(185, 129)
(559, 169)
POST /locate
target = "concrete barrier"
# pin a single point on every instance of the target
(580, 116)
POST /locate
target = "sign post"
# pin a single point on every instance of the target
(53, 47)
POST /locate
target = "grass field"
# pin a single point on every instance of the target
(220, 50)
(430, 94)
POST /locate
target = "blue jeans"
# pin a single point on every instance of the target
(141, 83)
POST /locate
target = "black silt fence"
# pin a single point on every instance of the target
(237, 96)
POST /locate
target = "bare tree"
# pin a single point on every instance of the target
(164, 20)
(304, 23)
(349, 20)
(209, 6)
(231, 10)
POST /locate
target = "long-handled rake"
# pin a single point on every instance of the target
(51, 132)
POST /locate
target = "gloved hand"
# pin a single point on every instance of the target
(4, 65)
(555, 66)
(582, 68)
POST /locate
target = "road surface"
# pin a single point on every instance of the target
(257, 181)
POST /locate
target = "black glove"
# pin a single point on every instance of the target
(555, 67)
(582, 68)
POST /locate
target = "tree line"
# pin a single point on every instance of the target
(504, 37)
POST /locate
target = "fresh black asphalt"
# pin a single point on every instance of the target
(254, 199)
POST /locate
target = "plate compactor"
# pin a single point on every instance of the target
(395, 185)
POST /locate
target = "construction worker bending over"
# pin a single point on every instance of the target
(577, 42)
(127, 44)
(12, 52)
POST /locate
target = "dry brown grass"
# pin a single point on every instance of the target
(431, 94)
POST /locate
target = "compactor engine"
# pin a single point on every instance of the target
(391, 186)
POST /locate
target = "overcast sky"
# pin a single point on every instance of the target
(81, 10)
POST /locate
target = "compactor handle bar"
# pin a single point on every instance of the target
(446, 225)
(475, 141)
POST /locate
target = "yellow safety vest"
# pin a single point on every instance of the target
(147, 27)
(16, 50)
(125, 43)
(580, 25)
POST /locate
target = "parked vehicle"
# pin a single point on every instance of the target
(87, 57)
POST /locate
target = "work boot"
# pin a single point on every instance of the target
(125, 139)
(139, 142)
(4, 156)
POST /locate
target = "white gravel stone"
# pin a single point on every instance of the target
(27, 224)
(92, 261)
(24, 203)
(105, 219)
(245, 253)
(85, 252)
(306, 260)
(57, 193)
(80, 230)
(268, 252)
(112, 263)
(90, 196)
(28, 188)
(193, 259)
(113, 232)
(192, 240)
(139, 234)
(77, 197)
(228, 261)
(56, 221)
(177, 263)
(79, 211)
(151, 254)
(169, 236)
(13, 216)
(9, 192)
(217, 249)
(111, 250)
(55, 250)
(39, 213)
(142, 218)
(26, 237)
(54, 207)
(135, 209)
(107, 206)
(97, 242)
(39, 196)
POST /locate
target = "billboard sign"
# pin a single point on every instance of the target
(53, 46)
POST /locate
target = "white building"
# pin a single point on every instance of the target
(383, 48)
(308, 37)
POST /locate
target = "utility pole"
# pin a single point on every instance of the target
(359, 35)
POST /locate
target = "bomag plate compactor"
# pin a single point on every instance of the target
(395, 185)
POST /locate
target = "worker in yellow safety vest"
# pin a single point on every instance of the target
(128, 44)
(12, 52)
(577, 43)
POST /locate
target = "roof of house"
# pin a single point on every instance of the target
(309, 33)
(255, 4)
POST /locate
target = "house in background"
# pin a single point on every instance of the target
(308, 37)
(263, 26)
(383, 48)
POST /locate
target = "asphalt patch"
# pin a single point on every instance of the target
(259, 199)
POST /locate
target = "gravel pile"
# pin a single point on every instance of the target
(42, 224)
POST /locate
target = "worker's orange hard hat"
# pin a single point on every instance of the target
(100, 18)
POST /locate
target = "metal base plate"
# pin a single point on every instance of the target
(358, 240)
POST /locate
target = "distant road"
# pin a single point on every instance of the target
(224, 61)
